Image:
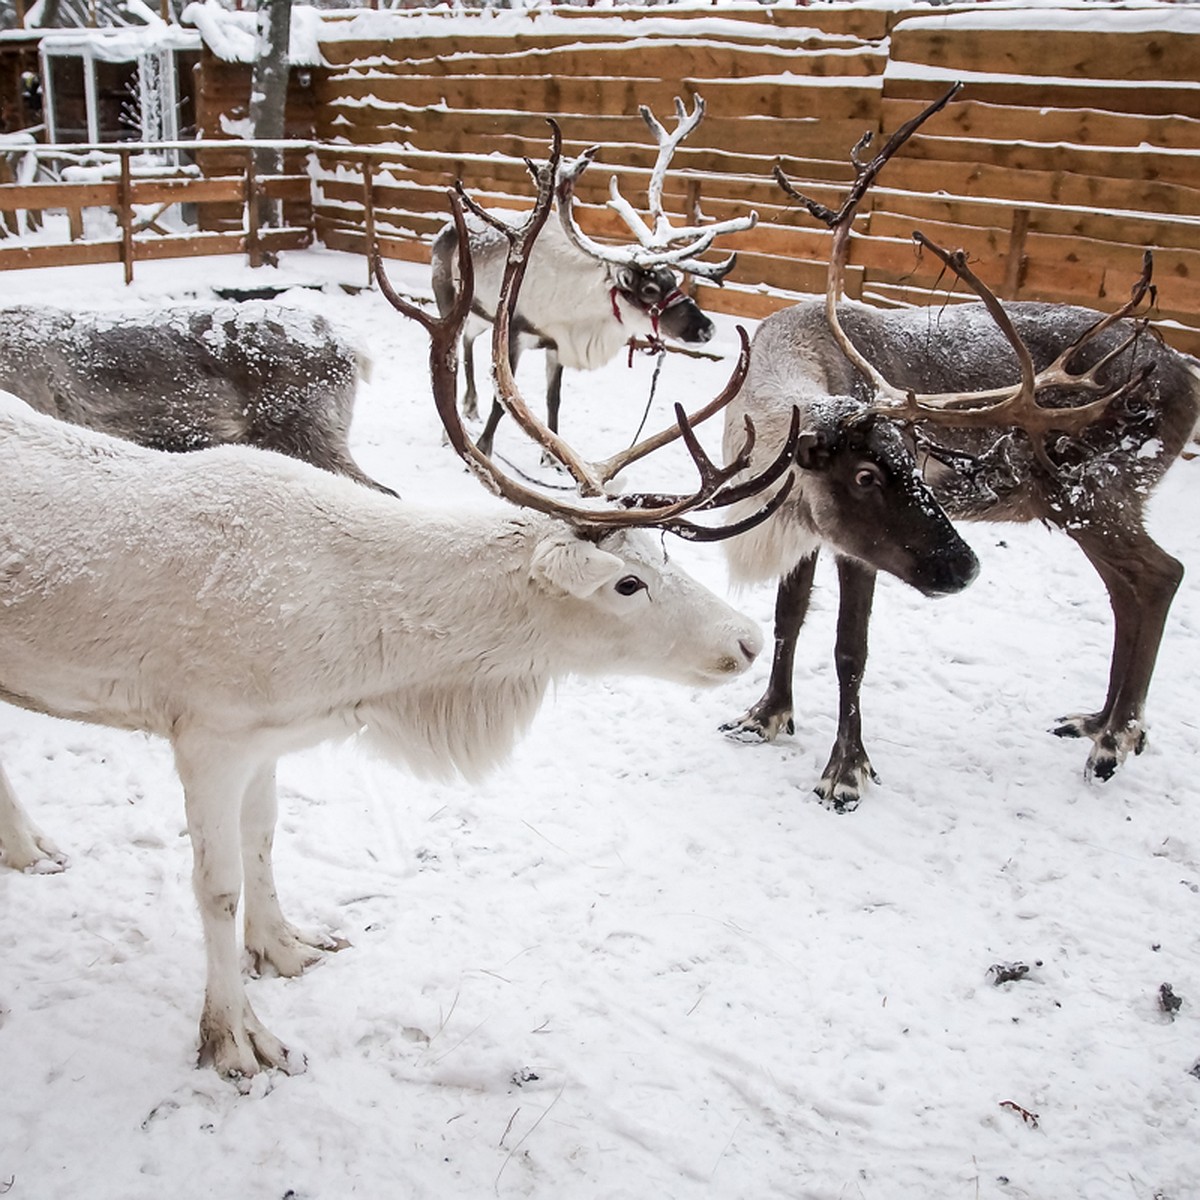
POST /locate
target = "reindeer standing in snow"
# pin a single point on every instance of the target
(583, 302)
(242, 605)
(1100, 409)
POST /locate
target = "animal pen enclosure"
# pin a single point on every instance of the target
(1075, 145)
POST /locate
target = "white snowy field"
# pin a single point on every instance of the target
(643, 960)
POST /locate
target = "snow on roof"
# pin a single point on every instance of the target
(124, 43)
(233, 36)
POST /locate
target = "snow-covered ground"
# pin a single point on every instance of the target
(642, 961)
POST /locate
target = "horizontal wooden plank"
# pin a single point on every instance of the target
(72, 254)
(1034, 93)
(631, 164)
(455, 130)
(1090, 270)
(794, 274)
(57, 195)
(829, 25)
(1168, 166)
(846, 98)
(1148, 229)
(536, 47)
(1045, 187)
(1077, 52)
(748, 303)
(857, 19)
(701, 59)
(1076, 126)
(188, 191)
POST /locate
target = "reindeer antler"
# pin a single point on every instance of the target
(638, 510)
(1016, 404)
(659, 242)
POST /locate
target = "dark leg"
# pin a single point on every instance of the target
(484, 441)
(774, 711)
(470, 405)
(554, 373)
(848, 767)
(1141, 579)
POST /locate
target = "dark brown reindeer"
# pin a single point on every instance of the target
(187, 376)
(584, 302)
(1099, 411)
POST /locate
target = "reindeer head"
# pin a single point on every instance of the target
(644, 273)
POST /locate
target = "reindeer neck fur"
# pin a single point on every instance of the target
(788, 366)
(128, 618)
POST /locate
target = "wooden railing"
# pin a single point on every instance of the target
(46, 223)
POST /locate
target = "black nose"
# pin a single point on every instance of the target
(950, 572)
(685, 322)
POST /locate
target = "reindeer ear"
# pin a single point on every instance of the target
(573, 565)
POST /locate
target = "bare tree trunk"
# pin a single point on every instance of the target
(268, 96)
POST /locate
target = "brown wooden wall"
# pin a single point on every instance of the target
(223, 96)
(1071, 149)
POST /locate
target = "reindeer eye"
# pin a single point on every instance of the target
(868, 476)
(629, 586)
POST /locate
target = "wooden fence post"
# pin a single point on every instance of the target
(1014, 269)
(692, 216)
(125, 213)
(368, 174)
(253, 242)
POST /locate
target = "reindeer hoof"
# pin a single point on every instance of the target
(755, 727)
(841, 787)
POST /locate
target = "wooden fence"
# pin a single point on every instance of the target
(1075, 145)
(119, 182)
(1068, 154)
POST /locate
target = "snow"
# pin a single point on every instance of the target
(642, 960)
(233, 35)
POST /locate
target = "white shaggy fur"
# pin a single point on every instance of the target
(565, 295)
(242, 605)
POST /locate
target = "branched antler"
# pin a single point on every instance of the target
(1016, 404)
(659, 243)
(668, 512)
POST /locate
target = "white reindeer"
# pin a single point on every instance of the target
(581, 301)
(244, 605)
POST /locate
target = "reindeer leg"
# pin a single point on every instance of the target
(773, 712)
(484, 441)
(470, 404)
(270, 937)
(554, 374)
(216, 775)
(849, 768)
(1141, 579)
(22, 845)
